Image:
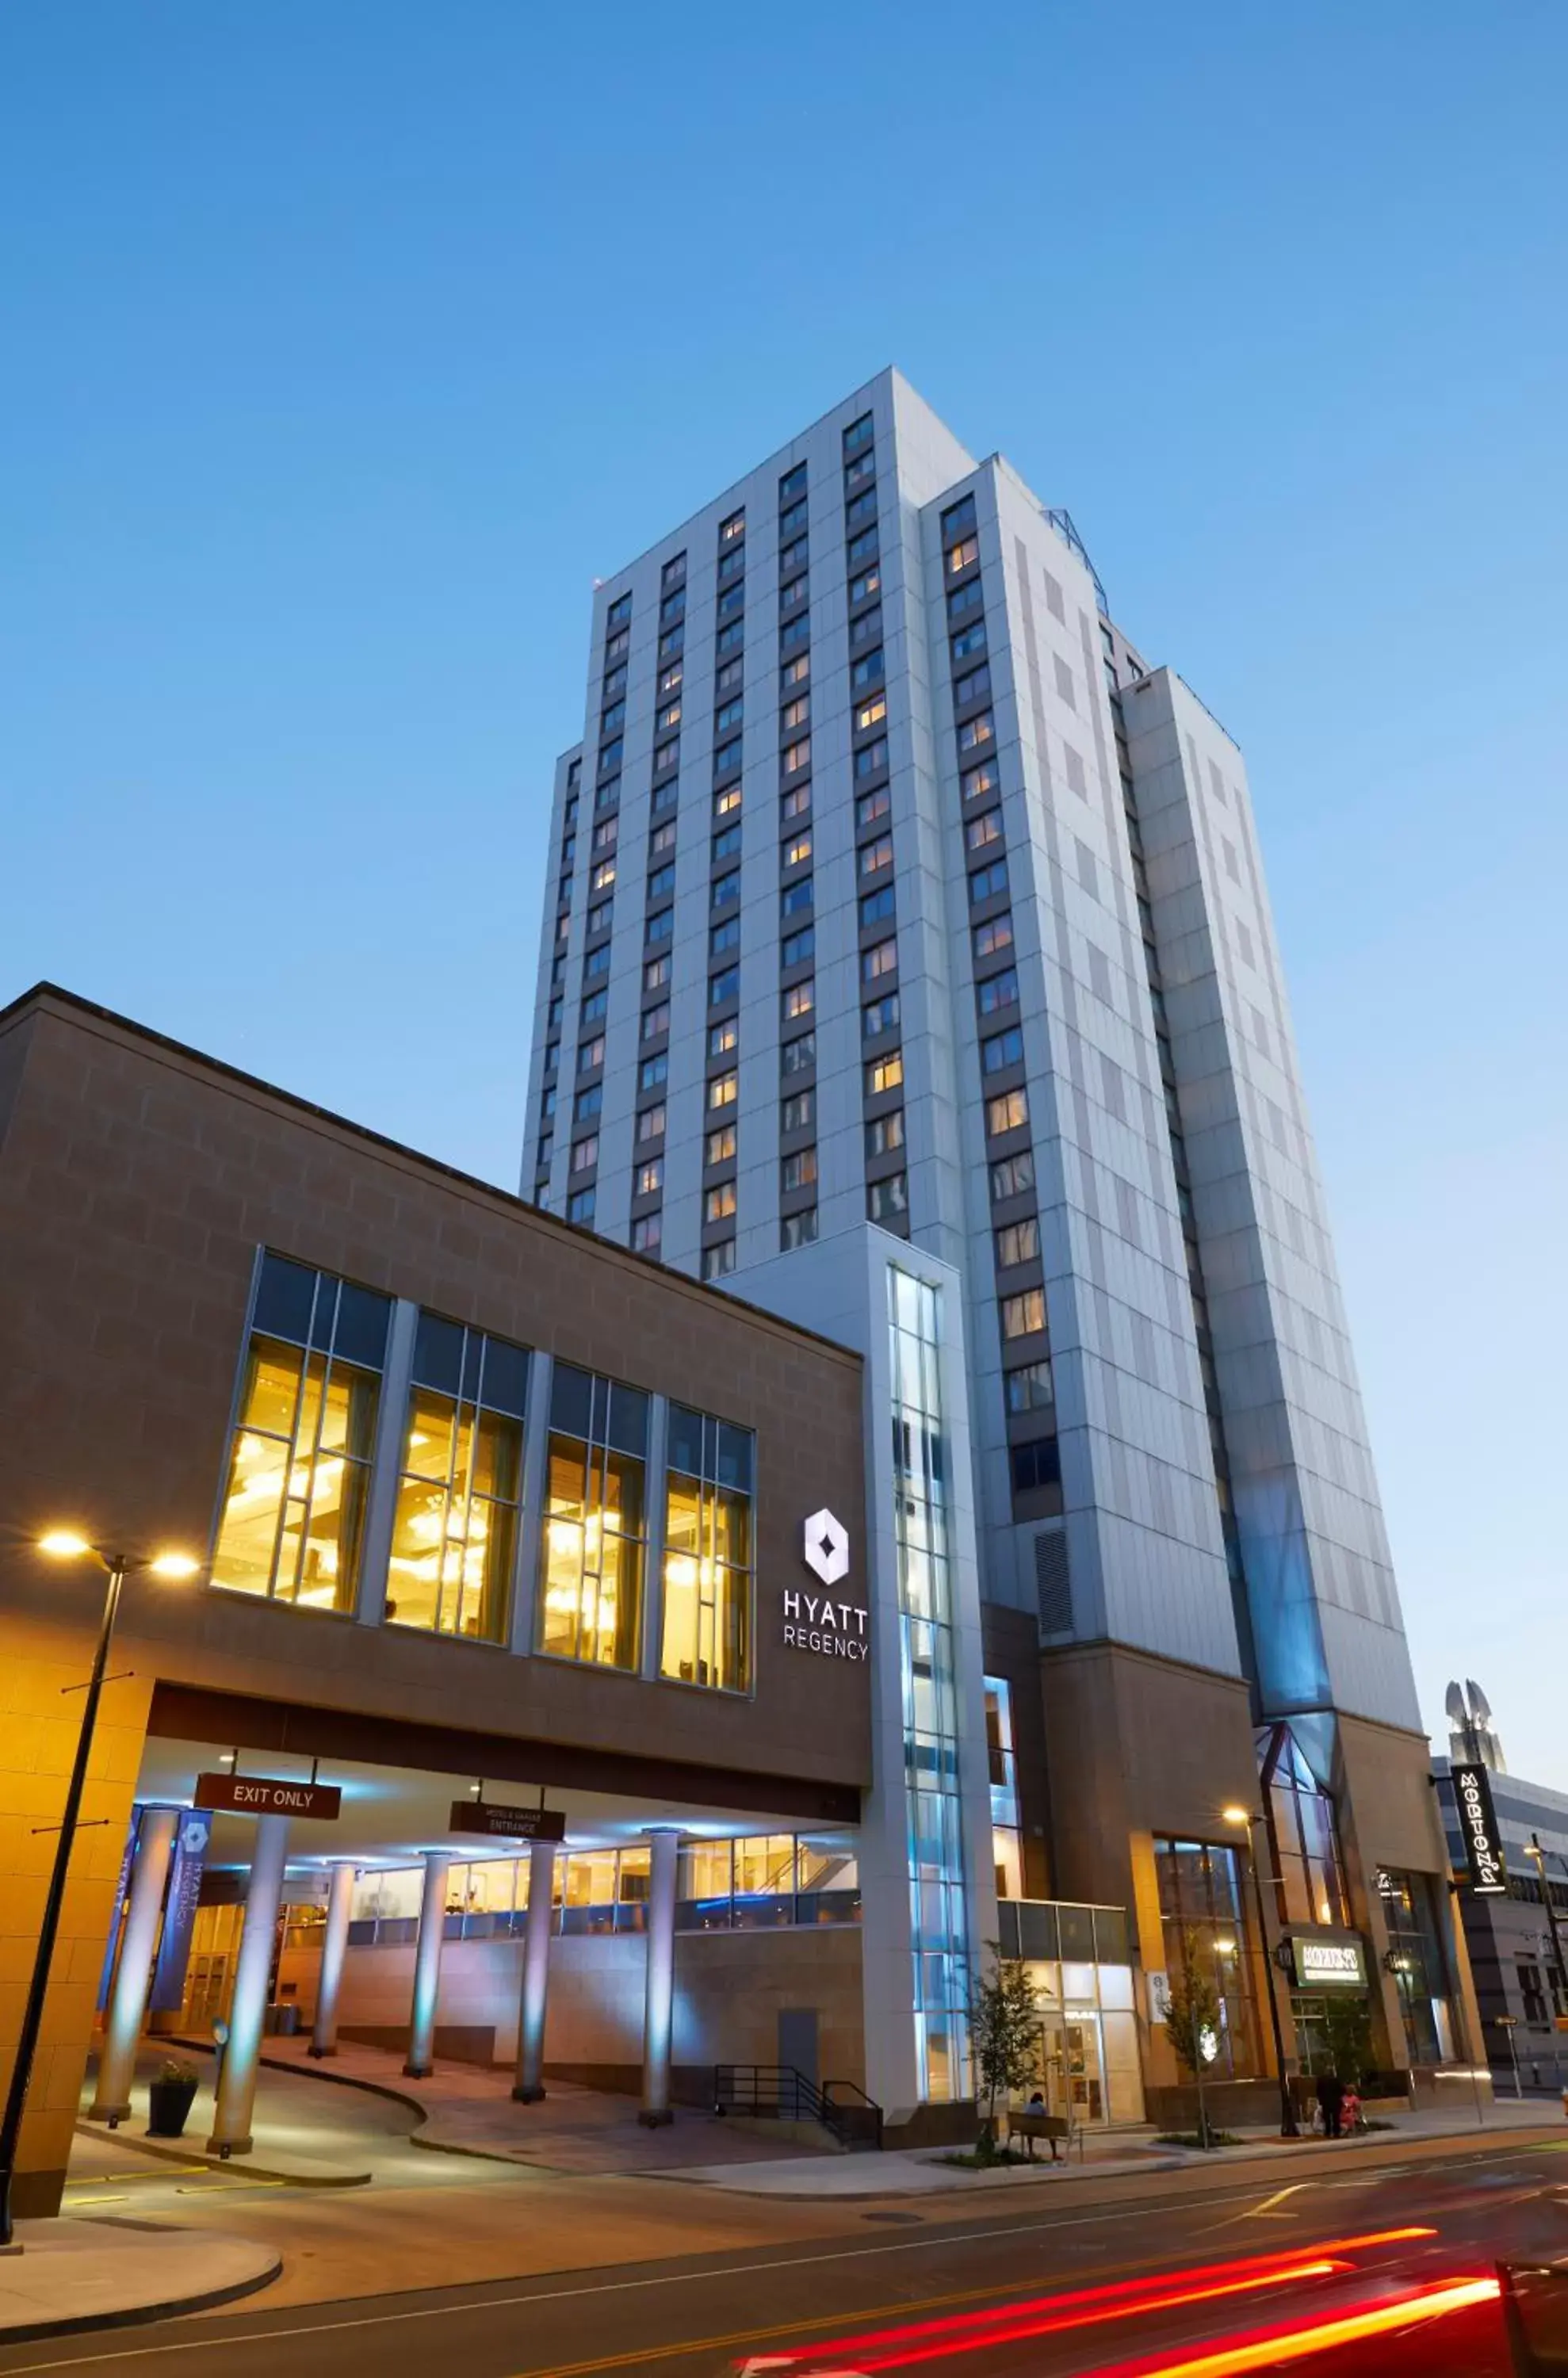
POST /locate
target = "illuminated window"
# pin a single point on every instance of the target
(797, 1171)
(1303, 1837)
(723, 1038)
(875, 855)
(723, 1090)
(1204, 1922)
(1023, 1316)
(885, 1073)
(719, 1146)
(976, 732)
(300, 1464)
(996, 934)
(707, 1553)
(799, 1000)
(725, 803)
(982, 830)
(794, 713)
(1018, 1243)
(454, 1537)
(594, 1535)
(962, 553)
(795, 673)
(795, 853)
(797, 756)
(729, 530)
(649, 1178)
(1008, 1112)
(871, 714)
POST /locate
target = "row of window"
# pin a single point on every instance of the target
(1029, 1395)
(886, 1200)
(753, 1883)
(300, 1476)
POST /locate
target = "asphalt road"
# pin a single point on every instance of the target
(890, 2266)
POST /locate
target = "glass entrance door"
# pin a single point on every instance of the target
(1075, 2067)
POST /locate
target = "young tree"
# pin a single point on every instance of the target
(1192, 2022)
(1004, 2019)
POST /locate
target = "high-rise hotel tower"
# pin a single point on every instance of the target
(890, 885)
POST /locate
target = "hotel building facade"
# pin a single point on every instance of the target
(889, 885)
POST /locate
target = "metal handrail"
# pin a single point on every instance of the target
(782, 2093)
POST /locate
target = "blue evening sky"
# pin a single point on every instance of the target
(346, 341)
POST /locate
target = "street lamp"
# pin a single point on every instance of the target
(1289, 2126)
(66, 1543)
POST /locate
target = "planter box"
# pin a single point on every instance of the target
(168, 2108)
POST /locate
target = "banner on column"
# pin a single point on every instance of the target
(179, 1910)
(112, 1949)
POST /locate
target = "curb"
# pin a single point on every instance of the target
(30, 2332)
(247, 2166)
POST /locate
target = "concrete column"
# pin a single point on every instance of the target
(428, 1966)
(659, 2005)
(529, 2084)
(334, 1947)
(253, 1974)
(657, 1496)
(133, 1978)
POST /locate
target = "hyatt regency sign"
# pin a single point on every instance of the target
(1478, 1829)
(815, 1621)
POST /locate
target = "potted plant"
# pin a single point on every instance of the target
(171, 2098)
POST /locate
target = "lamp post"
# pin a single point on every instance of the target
(64, 1543)
(1289, 2126)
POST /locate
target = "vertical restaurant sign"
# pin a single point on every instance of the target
(1477, 1829)
(194, 1831)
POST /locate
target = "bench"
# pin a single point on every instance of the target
(1033, 2124)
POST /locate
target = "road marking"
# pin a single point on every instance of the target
(1100, 2215)
(1263, 2212)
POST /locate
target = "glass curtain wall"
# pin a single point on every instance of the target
(594, 1528)
(299, 1463)
(707, 1553)
(930, 1706)
(455, 1537)
(1203, 1918)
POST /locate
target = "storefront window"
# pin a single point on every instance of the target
(707, 1553)
(1201, 1918)
(1301, 1835)
(594, 1533)
(1417, 1964)
(299, 1463)
(764, 1882)
(455, 1539)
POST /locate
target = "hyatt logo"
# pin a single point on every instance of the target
(825, 1547)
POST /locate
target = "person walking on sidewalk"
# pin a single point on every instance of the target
(1331, 2102)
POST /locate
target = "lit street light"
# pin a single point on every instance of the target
(1289, 2126)
(64, 1544)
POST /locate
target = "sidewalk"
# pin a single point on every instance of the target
(83, 2274)
(297, 2153)
(1111, 2154)
(468, 2109)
